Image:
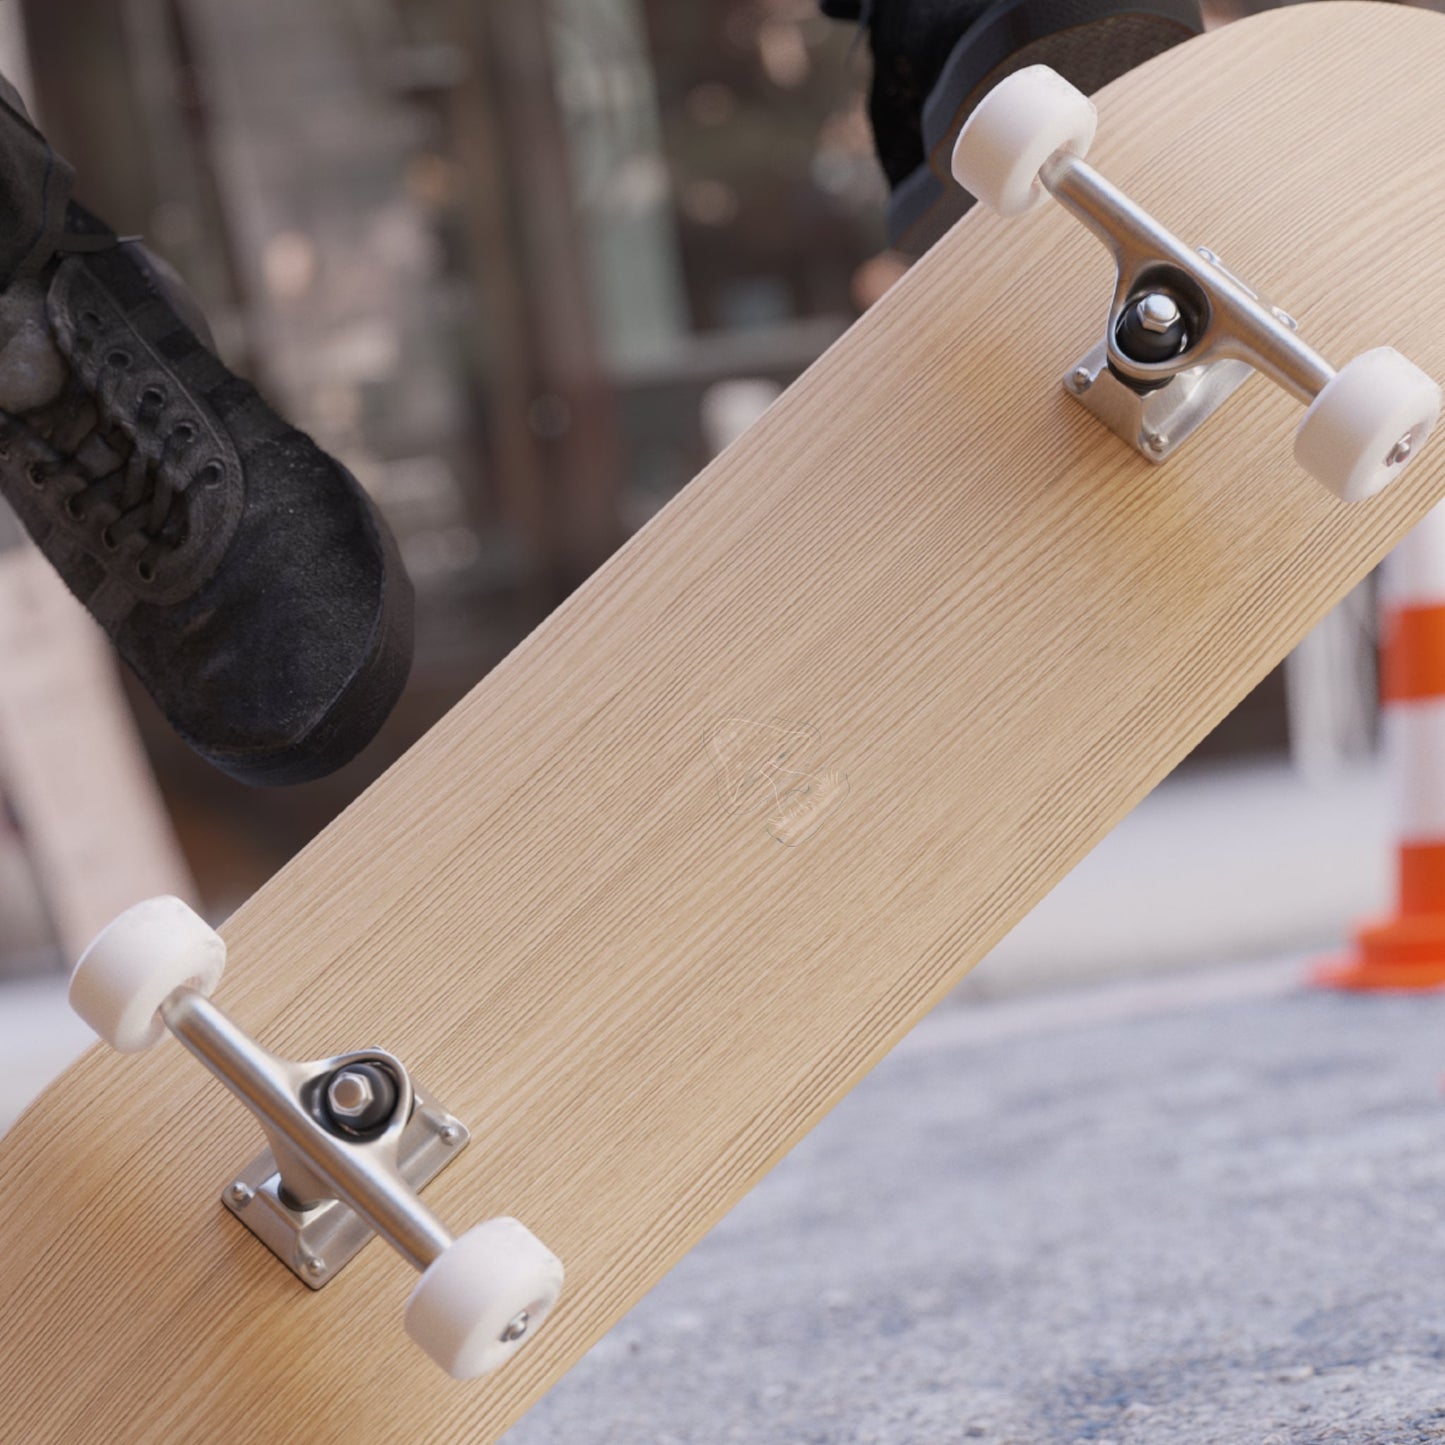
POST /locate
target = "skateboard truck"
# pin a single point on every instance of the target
(351, 1139)
(1155, 417)
(1183, 332)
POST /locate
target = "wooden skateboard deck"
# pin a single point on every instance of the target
(674, 876)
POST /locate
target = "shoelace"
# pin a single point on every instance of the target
(133, 503)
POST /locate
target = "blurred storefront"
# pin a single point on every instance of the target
(524, 267)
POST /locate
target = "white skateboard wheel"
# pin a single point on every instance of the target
(1013, 130)
(1367, 424)
(136, 963)
(482, 1299)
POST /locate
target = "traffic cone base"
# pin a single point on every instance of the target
(1407, 953)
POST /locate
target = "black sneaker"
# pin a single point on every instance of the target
(934, 60)
(240, 571)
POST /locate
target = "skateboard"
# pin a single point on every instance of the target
(577, 971)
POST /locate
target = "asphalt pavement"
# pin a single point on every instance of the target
(1202, 1208)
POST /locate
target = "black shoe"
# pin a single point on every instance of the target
(934, 60)
(241, 572)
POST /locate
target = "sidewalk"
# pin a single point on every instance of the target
(1216, 865)
(1206, 1208)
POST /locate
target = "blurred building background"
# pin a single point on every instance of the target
(524, 267)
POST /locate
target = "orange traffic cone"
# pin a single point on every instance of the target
(1408, 950)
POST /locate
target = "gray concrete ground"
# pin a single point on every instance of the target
(1199, 1209)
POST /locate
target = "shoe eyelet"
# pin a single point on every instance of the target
(107, 539)
(89, 319)
(184, 431)
(118, 359)
(74, 512)
(145, 571)
(153, 398)
(36, 476)
(210, 474)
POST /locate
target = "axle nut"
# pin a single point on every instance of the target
(1152, 328)
(360, 1098)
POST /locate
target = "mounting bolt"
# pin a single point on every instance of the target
(1081, 379)
(240, 1193)
(1155, 442)
(451, 1133)
(315, 1266)
(516, 1327)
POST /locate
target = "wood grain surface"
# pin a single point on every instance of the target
(641, 982)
